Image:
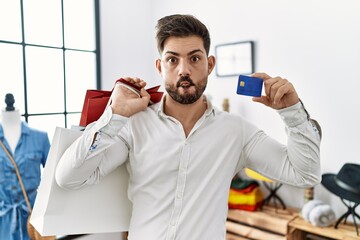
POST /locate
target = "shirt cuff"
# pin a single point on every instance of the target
(293, 115)
(110, 123)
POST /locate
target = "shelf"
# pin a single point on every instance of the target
(298, 227)
(278, 224)
(268, 223)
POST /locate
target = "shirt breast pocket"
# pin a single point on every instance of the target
(30, 169)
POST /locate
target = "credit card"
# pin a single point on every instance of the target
(249, 86)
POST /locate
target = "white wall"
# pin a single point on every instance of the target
(314, 44)
(126, 40)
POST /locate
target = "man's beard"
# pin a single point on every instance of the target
(186, 98)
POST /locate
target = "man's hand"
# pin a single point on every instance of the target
(125, 102)
(280, 93)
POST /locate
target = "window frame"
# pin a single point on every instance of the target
(25, 112)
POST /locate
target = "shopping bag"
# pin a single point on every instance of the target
(100, 208)
(94, 105)
(96, 100)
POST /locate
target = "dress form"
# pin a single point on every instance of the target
(11, 122)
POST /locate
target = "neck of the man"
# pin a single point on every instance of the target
(186, 114)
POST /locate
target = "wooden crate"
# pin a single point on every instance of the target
(299, 228)
(267, 223)
(230, 236)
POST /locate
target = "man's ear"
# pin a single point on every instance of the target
(158, 66)
(211, 64)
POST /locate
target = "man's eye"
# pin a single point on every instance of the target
(195, 59)
(172, 60)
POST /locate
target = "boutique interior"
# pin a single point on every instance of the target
(60, 61)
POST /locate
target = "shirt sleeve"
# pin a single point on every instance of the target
(298, 162)
(98, 151)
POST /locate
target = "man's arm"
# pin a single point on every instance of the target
(102, 147)
(96, 153)
(297, 163)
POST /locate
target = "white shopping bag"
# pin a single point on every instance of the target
(100, 208)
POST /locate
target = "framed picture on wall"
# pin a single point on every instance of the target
(233, 59)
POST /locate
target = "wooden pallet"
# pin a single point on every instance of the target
(299, 228)
(267, 223)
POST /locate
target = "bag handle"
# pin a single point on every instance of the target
(18, 176)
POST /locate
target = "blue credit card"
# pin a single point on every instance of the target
(249, 86)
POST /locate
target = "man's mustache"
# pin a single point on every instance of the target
(185, 79)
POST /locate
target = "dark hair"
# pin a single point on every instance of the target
(181, 26)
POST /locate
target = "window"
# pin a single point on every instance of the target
(49, 56)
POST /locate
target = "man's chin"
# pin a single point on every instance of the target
(186, 90)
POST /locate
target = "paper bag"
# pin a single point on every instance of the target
(100, 208)
(96, 100)
(94, 105)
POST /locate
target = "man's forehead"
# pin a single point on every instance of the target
(183, 45)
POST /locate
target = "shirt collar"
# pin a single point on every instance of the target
(159, 107)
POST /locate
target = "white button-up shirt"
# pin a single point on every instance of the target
(179, 185)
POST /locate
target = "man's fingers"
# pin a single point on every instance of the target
(126, 99)
(279, 92)
(261, 75)
(274, 85)
(145, 95)
(285, 88)
(274, 88)
(135, 80)
(263, 99)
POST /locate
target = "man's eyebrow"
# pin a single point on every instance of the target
(172, 53)
(195, 51)
(190, 53)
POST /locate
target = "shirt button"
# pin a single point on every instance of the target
(179, 195)
(13, 187)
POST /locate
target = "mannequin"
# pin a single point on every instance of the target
(11, 122)
(29, 148)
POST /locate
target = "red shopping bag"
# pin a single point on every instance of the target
(94, 105)
(96, 100)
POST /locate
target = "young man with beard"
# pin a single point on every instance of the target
(182, 153)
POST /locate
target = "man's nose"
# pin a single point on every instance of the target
(184, 68)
